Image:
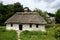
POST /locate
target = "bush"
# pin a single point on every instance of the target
(49, 25)
(25, 32)
(34, 32)
(57, 33)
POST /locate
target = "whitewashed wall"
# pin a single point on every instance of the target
(41, 27)
(8, 26)
(25, 27)
(14, 27)
(34, 27)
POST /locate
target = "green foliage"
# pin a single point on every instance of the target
(57, 32)
(57, 16)
(37, 35)
(45, 17)
(6, 11)
(18, 7)
(8, 35)
(51, 14)
(39, 11)
(49, 25)
(34, 32)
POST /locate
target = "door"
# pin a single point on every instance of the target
(20, 27)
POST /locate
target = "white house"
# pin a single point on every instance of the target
(26, 21)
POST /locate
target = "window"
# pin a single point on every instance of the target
(30, 25)
(36, 25)
(11, 25)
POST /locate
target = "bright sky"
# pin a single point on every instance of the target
(45, 5)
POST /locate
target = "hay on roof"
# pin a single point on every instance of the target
(26, 17)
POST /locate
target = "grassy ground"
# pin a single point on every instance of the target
(7, 35)
(2, 28)
(38, 35)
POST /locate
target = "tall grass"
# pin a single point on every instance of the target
(37, 35)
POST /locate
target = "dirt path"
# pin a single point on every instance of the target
(18, 31)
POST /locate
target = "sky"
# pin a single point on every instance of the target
(44, 5)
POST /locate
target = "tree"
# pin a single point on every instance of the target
(51, 14)
(18, 7)
(1, 13)
(45, 16)
(57, 16)
(39, 11)
(1, 8)
(6, 11)
(10, 10)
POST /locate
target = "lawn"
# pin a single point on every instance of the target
(7, 35)
(38, 35)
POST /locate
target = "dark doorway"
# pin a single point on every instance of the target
(20, 27)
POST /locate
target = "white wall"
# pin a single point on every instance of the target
(42, 27)
(14, 27)
(34, 27)
(25, 27)
(8, 26)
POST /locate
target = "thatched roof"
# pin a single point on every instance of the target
(26, 17)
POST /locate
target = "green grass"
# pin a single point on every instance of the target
(8, 35)
(38, 35)
(2, 27)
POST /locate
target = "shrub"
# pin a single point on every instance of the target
(49, 25)
(36, 35)
(25, 32)
(34, 32)
(57, 33)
